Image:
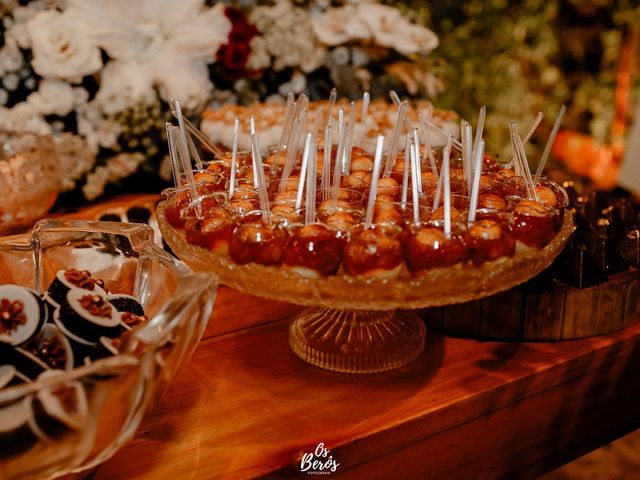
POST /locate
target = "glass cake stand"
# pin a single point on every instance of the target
(358, 324)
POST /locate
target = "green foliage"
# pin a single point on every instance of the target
(521, 57)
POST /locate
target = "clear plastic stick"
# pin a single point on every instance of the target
(375, 175)
(303, 171)
(468, 147)
(333, 95)
(196, 132)
(337, 168)
(477, 173)
(317, 125)
(326, 162)
(521, 157)
(395, 98)
(517, 166)
(180, 118)
(405, 173)
(531, 190)
(465, 141)
(395, 137)
(176, 168)
(183, 131)
(346, 156)
(531, 130)
(416, 146)
(252, 132)
(438, 195)
(427, 143)
(262, 183)
(234, 158)
(303, 101)
(289, 113)
(456, 143)
(340, 121)
(292, 150)
(547, 147)
(310, 205)
(447, 186)
(194, 152)
(304, 125)
(415, 168)
(479, 131)
(366, 98)
(183, 153)
(290, 158)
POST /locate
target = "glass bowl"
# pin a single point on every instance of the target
(29, 179)
(113, 393)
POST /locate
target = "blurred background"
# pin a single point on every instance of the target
(99, 80)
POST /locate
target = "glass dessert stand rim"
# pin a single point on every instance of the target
(358, 324)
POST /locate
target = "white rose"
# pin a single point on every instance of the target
(53, 97)
(61, 49)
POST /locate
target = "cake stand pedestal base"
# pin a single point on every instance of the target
(357, 341)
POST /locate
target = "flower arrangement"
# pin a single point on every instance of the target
(99, 75)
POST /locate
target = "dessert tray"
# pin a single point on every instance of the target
(355, 323)
(433, 288)
(374, 239)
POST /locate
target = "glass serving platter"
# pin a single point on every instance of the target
(116, 391)
(359, 324)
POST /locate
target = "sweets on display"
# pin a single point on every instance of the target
(270, 118)
(376, 225)
(74, 323)
(484, 211)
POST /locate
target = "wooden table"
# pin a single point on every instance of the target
(245, 406)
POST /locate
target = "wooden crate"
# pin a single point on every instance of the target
(556, 312)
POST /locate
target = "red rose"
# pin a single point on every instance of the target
(235, 55)
(241, 29)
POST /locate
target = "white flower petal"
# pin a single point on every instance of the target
(113, 24)
(123, 85)
(185, 81)
(171, 12)
(415, 39)
(203, 35)
(377, 16)
(339, 25)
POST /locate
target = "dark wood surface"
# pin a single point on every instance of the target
(245, 406)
